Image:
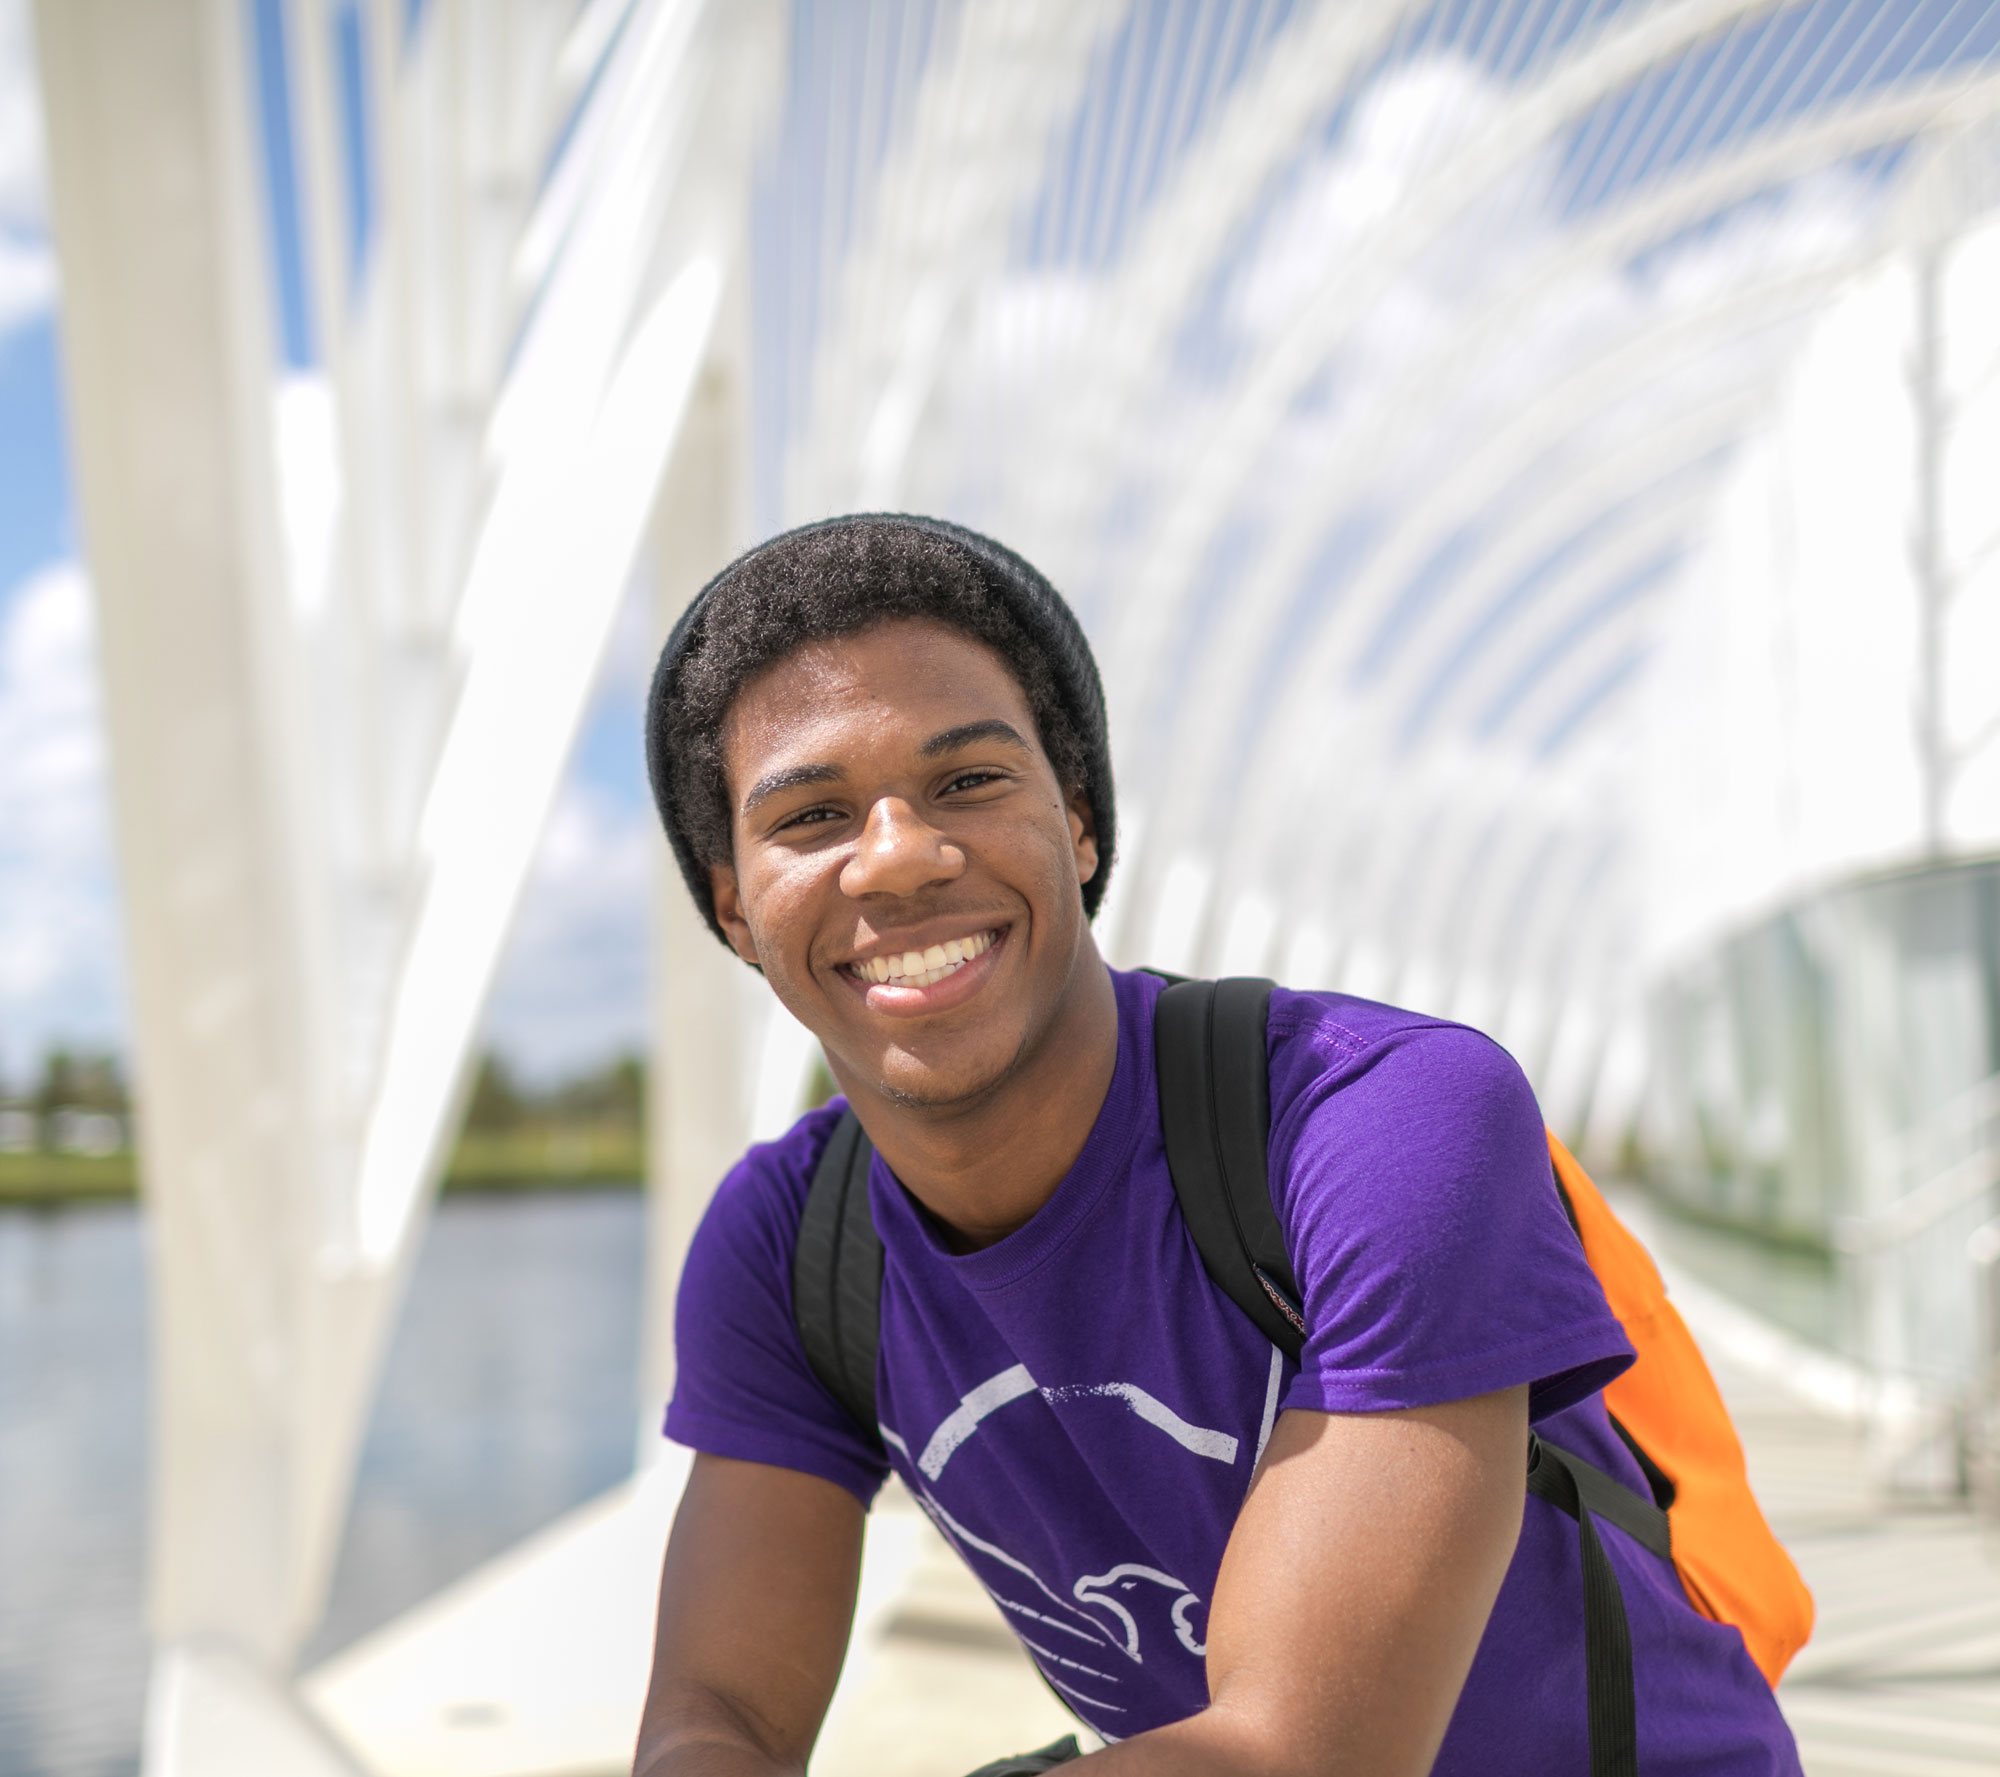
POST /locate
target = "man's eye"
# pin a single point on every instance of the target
(808, 817)
(971, 780)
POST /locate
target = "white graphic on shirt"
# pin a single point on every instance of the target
(1124, 1610)
(958, 1425)
(1013, 1383)
(955, 1532)
(1217, 1446)
(1070, 1690)
(1128, 1581)
(1049, 1654)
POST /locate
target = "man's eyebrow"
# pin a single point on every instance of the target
(793, 777)
(968, 732)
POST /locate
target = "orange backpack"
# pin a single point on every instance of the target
(1733, 1568)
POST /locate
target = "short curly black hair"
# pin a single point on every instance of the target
(831, 579)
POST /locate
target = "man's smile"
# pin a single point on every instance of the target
(920, 968)
(918, 981)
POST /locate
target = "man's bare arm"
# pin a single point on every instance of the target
(756, 1600)
(1353, 1594)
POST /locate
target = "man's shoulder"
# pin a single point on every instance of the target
(1320, 1040)
(1373, 1078)
(1317, 1031)
(764, 1193)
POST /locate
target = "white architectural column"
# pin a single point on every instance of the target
(706, 1004)
(167, 351)
(298, 1086)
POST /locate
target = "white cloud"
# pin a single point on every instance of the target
(27, 281)
(60, 970)
(1409, 122)
(572, 990)
(573, 985)
(27, 259)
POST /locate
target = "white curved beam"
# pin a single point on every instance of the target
(1398, 419)
(1843, 133)
(1422, 863)
(938, 230)
(1418, 395)
(1175, 246)
(1206, 486)
(1384, 864)
(1223, 671)
(1658, 519)
(1233, 448)
(1312, 721)
(1577, 658)
(1476, 868)
(1376, 832)
(1553, 882)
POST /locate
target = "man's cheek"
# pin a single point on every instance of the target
(789, 927)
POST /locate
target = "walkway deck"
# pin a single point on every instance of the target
(1902, 1676)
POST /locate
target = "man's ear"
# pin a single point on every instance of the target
(1083, 835)
(729, 912)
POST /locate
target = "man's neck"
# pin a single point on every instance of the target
(984, 1169)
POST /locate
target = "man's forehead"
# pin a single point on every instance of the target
(918, 696)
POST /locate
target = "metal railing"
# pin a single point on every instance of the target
(1920, 1273)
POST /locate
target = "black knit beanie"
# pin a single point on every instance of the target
(1035, 608)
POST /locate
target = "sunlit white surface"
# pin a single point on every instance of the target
(1784, 729)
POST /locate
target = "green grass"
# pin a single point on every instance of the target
(64, 1178)
(539, 1159)
(528, 1159)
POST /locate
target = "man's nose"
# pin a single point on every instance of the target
(900, 853)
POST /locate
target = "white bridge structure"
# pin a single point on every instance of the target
(1531, 469)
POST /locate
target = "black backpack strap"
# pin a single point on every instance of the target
(837, 1275)
(1215, 1113)
(1585, 1493)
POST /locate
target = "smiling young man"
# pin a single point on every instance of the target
(878, 746)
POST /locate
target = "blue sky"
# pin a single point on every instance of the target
(572, 988)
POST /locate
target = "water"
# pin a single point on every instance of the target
(72, 1491)
(510, 1396)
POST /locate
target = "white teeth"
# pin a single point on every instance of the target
(921, 968)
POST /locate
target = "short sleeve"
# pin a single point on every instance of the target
(742, 1386)
(1412, 1174)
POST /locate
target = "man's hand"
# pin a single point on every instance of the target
(1352, 1595)
(756, 1599)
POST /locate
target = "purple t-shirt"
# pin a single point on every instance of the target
(1078, 1407)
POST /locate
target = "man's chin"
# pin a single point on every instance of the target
(945, 1085)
